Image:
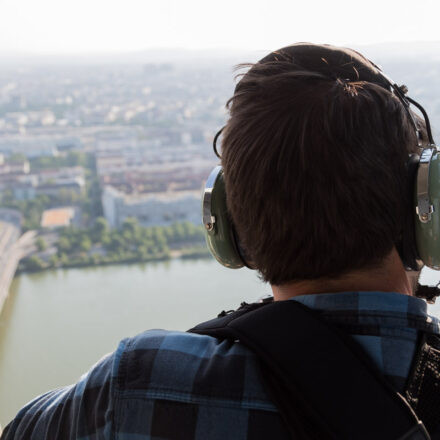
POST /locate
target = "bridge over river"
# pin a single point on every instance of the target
(13, 247)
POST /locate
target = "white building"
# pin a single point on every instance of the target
(151, 209)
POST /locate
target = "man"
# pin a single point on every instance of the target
(315, 162)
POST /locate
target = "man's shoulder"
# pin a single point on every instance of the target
(158, 384)
(178, 343)
(187, 367)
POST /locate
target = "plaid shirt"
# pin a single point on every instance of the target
(179, 386)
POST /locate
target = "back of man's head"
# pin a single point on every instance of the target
(314, 155)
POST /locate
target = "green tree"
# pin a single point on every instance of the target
(7, 197)
(17, 158)
(159, 237)
(100, 230)
(63, 245)
(63, 260)
(95, 258)
(41, 244)
(54, 260)
(34, 263)
(116, 243)
(67, 196)
(130, 225)
(179, 232)
(84, 244)
(76, 158)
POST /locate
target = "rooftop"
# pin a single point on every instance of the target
(54, 218)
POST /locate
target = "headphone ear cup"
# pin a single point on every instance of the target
(427, 233)
(407, 247)
(219, 230)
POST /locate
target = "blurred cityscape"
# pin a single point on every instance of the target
(118, 147)
(105, 162)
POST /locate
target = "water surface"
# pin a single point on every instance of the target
(56, 324)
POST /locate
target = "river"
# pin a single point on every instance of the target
(56, 324)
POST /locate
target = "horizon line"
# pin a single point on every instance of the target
(158, 49)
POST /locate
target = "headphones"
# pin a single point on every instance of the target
(420, 243)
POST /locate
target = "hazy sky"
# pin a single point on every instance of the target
(65, 26)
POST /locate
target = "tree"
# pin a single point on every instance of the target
(54, 260)
(7, 196)
(100, 230)
(85, 244)
(41, 244)
(34, 263)
(75, 158)
(17, 158)
(179, 232)
(131, 225)
(95, 258)
(63, 260)
(63, 245)
(143, 252)
(159, 237)
(67, 196)
(116, 243)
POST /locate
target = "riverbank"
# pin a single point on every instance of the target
(186, 254)
(99, 245)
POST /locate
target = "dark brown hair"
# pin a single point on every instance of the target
(314, 155)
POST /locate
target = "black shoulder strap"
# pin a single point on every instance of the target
(320, 380)
(423, 387)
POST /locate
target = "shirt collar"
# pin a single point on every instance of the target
(384, 308)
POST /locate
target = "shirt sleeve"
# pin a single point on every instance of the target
(82, 410)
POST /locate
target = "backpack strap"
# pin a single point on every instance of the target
(321, 381)
(423, 386)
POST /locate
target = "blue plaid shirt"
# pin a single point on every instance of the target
(163, 385)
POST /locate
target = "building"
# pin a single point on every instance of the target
(16, 167)
(151, 209)
(11, 216)
(51, 183)
(73, 185)
(110, 162)
(57, 217)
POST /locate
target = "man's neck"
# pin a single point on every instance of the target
(390, 276)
